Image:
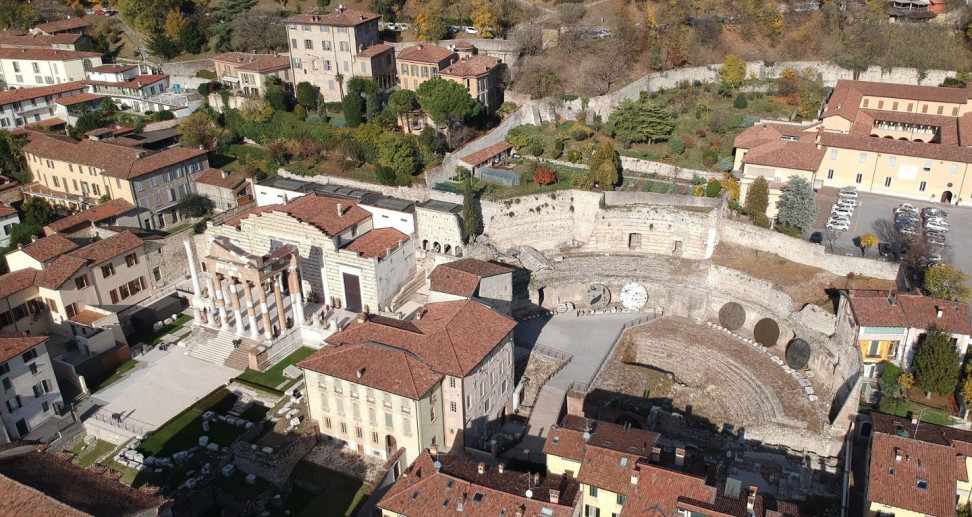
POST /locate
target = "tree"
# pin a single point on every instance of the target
(740, 102)
(401, 102)
(191, 38)
(275, 96)
(256, 110)
(543, 175)
(733, 71)
(967, 391)
(936, 363)
(306, 95)
(353, 108)
(37, 210)
(11, 159)
(571, 14)
(396, 152)
(194, 205)
(160, 45)
(797, 205)
(429, 24)
(198, 129)
(485, 18)
(18, 14)
(146, 15)
(470, 218)
(605, 166)
(757, 197)
(258, 30)
(868, 241)
(174, 23)
(655, 55)
(640, 122)
(947, 282)
(446, 102)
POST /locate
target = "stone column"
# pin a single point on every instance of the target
(220, 302)
(196, 290)
(278, 298)
(296, 300)
(267, 327)
(250, 309)
(235, 298)
(211, 300)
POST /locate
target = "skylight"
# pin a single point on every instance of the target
(556, 440)
(445, 504)
(415, 495)
(449, 484)
(922, 484)
(546, 511)
(624, 462)
(478, 497)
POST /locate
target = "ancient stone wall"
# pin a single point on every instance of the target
(275, 466)
(651, 229)
(543, 221)
(619, 198)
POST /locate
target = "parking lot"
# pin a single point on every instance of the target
(874, 215)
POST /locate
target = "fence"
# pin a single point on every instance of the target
(551, 352)
(584, 387)
(133, 425)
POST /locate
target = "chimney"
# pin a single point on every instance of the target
(554, 496)
(202, 148)
(536, 478)
(25, 333)
(224, 174)
(751, 500)
(340, 208)
(420, 46)
(360, 372)
(914, 419)
(434, 450)
(481, 468)
(655, 454)
(938, 312)
(33, 238)
(502, 468)
(679, 457)
(897, 454)
(519, 511)
(362, 318)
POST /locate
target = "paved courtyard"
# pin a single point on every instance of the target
(163, 384)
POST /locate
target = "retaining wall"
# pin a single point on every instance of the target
(543, 221)
(618, 198)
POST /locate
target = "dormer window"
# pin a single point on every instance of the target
(922, 484)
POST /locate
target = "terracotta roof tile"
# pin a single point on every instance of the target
(78, 99)
(254, 62)
(7, 210)
(114, 160)
(21, 39)
(62, 25)
(345, 18)
(87, 317)
(452, 337)
(12, 345)
(873, 309)
(659, 490)
(16, 281)
(23, 94)
(318, 211)
(45, 54)
(425, 53)
(383, 368)
(102, 212)
(50, 485)
(802, 156)
(482, 155)
(375, 50)
(376, 243)
(462, 276)
(567, 439)
(60, 270)
(113, 68)
(107, 249)
(897, 466)
(139, 81)
(607, 469)
(215, 178)
(47, 248)
(472, 66)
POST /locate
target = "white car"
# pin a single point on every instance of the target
(471, 30)
(936, 227)
(846, 202)
(850, 194)
(838, 225)
(848, 189)
(841, 210)
(937, 220)
(909, 207)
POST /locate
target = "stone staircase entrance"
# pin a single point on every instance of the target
(414, 282)
(211, 346)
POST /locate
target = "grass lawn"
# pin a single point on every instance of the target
(183, 431)
(902, 407)
(177, 229)
(338, 497)
(273, 377)
(119, 373)
(154, 338)
(87, 455)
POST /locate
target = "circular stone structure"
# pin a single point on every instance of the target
(732, 316)
(634, 296)
(766, 332)
(798, 354)
(598, 296)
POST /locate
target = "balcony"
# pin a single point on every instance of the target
(906, 131)
(58, 197)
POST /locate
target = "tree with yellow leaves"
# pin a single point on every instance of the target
(429, 24)
(485, 18)
(651, 20)
(174, 22)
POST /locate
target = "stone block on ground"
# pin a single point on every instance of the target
(228, 470)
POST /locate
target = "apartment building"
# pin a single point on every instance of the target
(443, 378)
(327, 50)
(418, 63)
(249, 73)
(77, 174)
(226, 190)
(8, 218)
(36, 67)
(439, 484)
(128, 88)
(21, 39)
(480, 74)
(117, 212)
(888, 327)
(901, 140)
(27, 386)
(24, 106)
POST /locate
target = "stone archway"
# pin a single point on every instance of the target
(458, 251)
(947, 196)
(447, 249)
(436, 247)
(425, 244)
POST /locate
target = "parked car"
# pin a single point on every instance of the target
(905, 210)
(930, 260)
(848, 189)
(937, 220)
(846, 202)
(903, 252)
(850, 194)
(906, 220)
(908, 206)
(908, 231)
(838, 225)
(841, 210)
(471, 30)
(816, 237)
(933, 212)
(935, 226)
(884, 249)
(935, 239)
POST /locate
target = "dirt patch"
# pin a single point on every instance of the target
(538, 369)
(699, 370)
(347, 462)
(804, 284)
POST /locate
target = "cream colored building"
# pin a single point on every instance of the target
(28, 389)
(480, 74)
(327, 50)
(906, 141)
(249, 73)
(443, 378)
(421, 62)
(35, 67)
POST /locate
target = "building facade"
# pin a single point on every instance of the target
(33, 68)
(27, 386)
(24, 106)
(128, 88)
(226, 190)
(8, 218)
(421, 62)
(249, 73)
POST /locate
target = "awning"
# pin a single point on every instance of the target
(230, 79)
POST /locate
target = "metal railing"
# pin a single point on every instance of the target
(130, 424)
(584, 387)
(552, 352)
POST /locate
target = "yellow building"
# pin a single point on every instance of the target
(421, 62)
(478, 73)
(249, 73)
(900, 140)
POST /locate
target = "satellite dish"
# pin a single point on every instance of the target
(437, 465)
(587, 436)
(529, 494)
(634, 296)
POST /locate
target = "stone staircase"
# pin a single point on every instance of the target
(414, 282)
(213, 347)
(242, 404)
(546, 413)
(239, 358)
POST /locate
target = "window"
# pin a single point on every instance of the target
(293, 44)
(71, 309)
(355, 411)
(452, 382)
(953, 169)
(591, 511)
(6, 383)
(858, 178)
(880, 105)
(107, 270)
(296, 59)
(339, 405)
(155, 181)
(924, 108)
(887, 181)
(82, 281)
(478, 497)
(37, 391)
(342, 30)
(387, 402)
(374, 437)
(911, 106)
(364, 67)
(56, 183)
(158, 199)
(325, 28)
(928, 165)
(922, 186)
(358, 433)
(326, 45)
(14, 404)
(353, 390)
(593, 491)
(36, 71)
(114, 296)
(432, 407)
(138, 186)
(131, 259)
(389, 423)
(344, 46)
(327, 423)
(344, 428)
(922, 484)
(338, 386)
(372, 416)
(327, 66)
(33, 368)
(452, 406)
(892, 161)
(404, 69)
(833, 154)
(941, 109)
(346, 69)
(862, 158)
(308, 44)
(75, 183)
(830, 174)
(172, 195)
(406, 426)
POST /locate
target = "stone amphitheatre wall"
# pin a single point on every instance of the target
(544, 221)
(675, 231)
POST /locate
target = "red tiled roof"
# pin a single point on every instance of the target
(78, 99)
(376, 243)
(47, 248)
(7, 210)
(102, 212)
(113, 68)
(23, 94)
(462, 276)
(215, 178)
(386, 369)
(345, 18)
(659, 490)
(114, 160)
(60, 270)
(567, 439)
(457, 488)
(45, 54)
(375, 50)
(873, 309)
(20, 39)
(140, 81)
(87, 317)
(481, 156)
(802, 156)
(48, 485)
(61, 25)
(55, 121)
(766, 132)
(934, 464)
(318, 211)
(948, 126)
(12, 345)
(16, 281)
(608, 470)
(451, 337)
(107, 249)
(472, 66)
(848, 96)
(425, 53)
(952, 153)
(254, 62)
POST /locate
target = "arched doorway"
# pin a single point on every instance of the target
(425, 244)
(390, 445)
(947, 196)
(447, 249)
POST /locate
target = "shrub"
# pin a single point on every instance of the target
(536, 148)
(200, 226)
(724, 164)
(543, 175)
(741, 102)
(761, 220)
(574, 156)
(558, 149)
(713, 188)
(697, 180)
(300, 111)
(386, 175)
(578, 135)
(676, 145)
(709, 157)
(792, 231)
